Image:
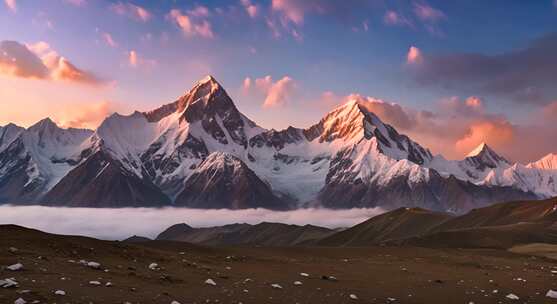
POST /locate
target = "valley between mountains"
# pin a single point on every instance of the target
(200, 151)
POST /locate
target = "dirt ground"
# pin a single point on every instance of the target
(247, 275)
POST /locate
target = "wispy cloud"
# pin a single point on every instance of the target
(193, 22)
(251, 9)
(131, 10)
(396, 19)
(107, 38)
(427, 13)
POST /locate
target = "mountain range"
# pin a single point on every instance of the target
(200, 151)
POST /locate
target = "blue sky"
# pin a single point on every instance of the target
(308, 48)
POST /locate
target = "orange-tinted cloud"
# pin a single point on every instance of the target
(414, 56)
(61, 69)
(85, 116)
(131, 10)
(497, 133)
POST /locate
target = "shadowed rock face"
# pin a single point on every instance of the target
(224, 181)
(103, 182)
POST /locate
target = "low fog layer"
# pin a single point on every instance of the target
(117, 224)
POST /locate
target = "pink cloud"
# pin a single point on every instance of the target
(135, 60)
(414, 56)
(427, 13)
(291, 10)
(39, 61)
(275, 94)
(251, 9)
(396, 19)
(109, 40)
(11, 4)
(199, 11)
(192, 24)
(131, 10)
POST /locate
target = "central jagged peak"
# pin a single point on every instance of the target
(484, 156)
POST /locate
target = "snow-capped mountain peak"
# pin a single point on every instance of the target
(548, 162)
(484, 157)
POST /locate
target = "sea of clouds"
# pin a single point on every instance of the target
(118, 224)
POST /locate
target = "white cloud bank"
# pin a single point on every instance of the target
(118, 224)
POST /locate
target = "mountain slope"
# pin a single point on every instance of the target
(263, 234)
(398, 224)
(101, 181)
(224, 181)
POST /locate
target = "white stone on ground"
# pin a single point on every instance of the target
(298, 283)
(94, 265)
(20, 301)
(551, 294)
(60, 293)
(7, 283)
(174, 302)
(154, 266)
(276, 286)
(95, 283)
(353, 297)
(211, 282)
(512, 296)
(303, 274)
(15, 267)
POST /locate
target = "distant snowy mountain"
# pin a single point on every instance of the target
(200, 151)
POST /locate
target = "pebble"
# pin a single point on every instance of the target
(154, 266)
(512, 296)
(20, 301)
(551, 294)
(303, 274)
(298, 283)
(276, 286)
(353, 297)
(95, 283)
(94, 265)
(60, 293)
(15, 267)
(210, 282)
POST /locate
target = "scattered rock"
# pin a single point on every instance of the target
(15, 267)
(108, 284)
(512, 296)
(303, 274)
(60, 293)
(20, 301)
(353, 297)
(95, 283)
(13, 250)
(94, 265)
(329, 278)
(298, 283)
(276, 286)
(211, 282)
(8, 283)
(154, 266)
(551, 294)
(175, 302)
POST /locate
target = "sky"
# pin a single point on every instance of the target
(450, 74)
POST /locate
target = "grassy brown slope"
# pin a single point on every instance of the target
(398, 224)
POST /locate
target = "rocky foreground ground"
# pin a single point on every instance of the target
(42, 268)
